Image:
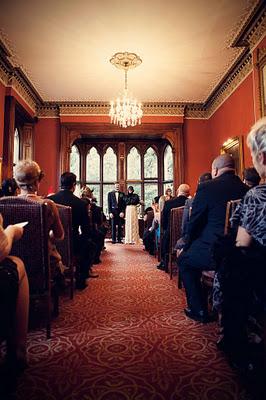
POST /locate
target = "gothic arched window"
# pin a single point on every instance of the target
(109, 174)
(133, 164)
(75, 165)
(150, 176)
(168, 167)
(93, 171)
(150, 164)
(16, 147)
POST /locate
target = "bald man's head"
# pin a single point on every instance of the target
(183, 190)
(221, 164)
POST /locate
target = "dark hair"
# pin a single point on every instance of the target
(207, 176)
(130, 188)
(68, 180)
(156, 199)
(251, 176)
(9, 187)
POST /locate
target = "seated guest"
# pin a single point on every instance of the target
(205, 226)
(179, 201)
(10, 187)
(251, 177)
(28, 176)
(14, 307)
(243, 273)
(186, 215)
(84, 248)
(150, 232)
(167, 196)
(95, 218)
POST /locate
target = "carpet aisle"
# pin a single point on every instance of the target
(125, 337)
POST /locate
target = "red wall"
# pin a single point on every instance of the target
(2, 112)
(47, 146)
(234, 118)
(198, 150)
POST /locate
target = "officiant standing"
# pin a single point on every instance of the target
(116, 210)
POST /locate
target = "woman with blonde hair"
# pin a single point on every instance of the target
(28, 175)
(167, 196)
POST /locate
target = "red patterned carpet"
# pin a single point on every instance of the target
(126, 338)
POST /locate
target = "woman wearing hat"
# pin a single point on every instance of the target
(132, 224)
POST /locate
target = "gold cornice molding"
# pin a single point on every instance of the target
(232, 81)
(102, 108)
(18, 85)
(258, 31)
(48, 110)
(84, 108)
(164, 108)
(4, 76)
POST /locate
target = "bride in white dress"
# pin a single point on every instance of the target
(132, 223)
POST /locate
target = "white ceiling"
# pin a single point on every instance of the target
(64, 46)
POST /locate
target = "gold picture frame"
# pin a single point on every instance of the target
(261, 65)
(234, 147)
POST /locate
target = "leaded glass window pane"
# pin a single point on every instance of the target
(16, 148)
(136, 186)
(93, 165)
(96, 190)
(168, 185)
(133, 164)
(150, 164)
(75, 161)
(168, 163)
(106, 189)
(110, 166)
(150, 191)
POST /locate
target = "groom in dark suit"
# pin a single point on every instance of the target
(116, 210)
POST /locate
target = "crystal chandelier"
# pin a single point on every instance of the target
(125, 111)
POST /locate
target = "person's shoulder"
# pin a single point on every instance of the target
(256, 193)
(54, 196)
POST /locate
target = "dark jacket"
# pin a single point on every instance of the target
(207, 219)
(178, 201)
(113, 205)
(131, 199)
(80, 216)
(209, 206)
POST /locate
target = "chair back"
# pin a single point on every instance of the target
(230, 208)
(148, 222)
(176, 216)
(32, 248)
(65, 246)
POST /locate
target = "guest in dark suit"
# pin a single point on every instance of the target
(116, 210)
(84, 248)
(186, 215)
(179, 201)
(206, 225)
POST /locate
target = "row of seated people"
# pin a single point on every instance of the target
(157, 231)
(238, 259)
(87, 218)
(88, 241)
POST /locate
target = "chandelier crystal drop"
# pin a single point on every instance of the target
(125, 111)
